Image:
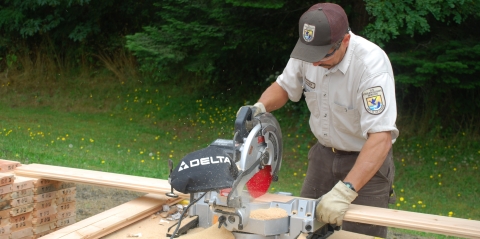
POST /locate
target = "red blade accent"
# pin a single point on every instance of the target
(260, 182)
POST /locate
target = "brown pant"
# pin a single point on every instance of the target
(326, 168)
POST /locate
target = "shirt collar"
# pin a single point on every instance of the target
(345, 63)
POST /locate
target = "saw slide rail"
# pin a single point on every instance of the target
(363, 214)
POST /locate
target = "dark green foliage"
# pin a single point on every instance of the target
(440, 83)
(411, 17)
(446, 65)
(228, 42)
(435, 53)
(71, 27)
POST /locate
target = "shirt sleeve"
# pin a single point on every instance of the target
(291, 80)
(377, 105)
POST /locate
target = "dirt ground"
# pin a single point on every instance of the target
(92, 200)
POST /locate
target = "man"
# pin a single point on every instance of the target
(350, 91)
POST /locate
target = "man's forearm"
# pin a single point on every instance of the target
(274, 97)
(370, 160)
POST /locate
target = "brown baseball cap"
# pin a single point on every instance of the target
(320, 27)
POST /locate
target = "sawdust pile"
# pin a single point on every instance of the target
(212, 232)
(268, 214)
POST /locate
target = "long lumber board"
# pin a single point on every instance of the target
(121, 181)
(356, 213)
(111, 220)
(451, 226)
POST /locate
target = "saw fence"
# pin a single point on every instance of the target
(126, 214)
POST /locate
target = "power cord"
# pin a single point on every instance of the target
(183, 213)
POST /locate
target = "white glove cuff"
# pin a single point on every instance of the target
(260, 106)
(346, 192)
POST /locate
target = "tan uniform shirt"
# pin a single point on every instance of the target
(348, 101)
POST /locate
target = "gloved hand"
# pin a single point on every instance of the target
(257, 109)
(333, 205)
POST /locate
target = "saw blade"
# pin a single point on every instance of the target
(260, 182)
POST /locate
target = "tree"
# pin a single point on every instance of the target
(230, 42)
(70, 27)
(435, 56)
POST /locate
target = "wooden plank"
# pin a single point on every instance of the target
(21, 218)
(66, 192)
(66, 207)
(44, 227)
(43, 182)
(6, 178)
(44, 212)
(20, 225)
(21, 209)
(44, 204)
(8, 165)
(21, 201)
(45, 196)
(6, 189)
(37, 221)
(4, 214)
(5, 230)
(45, 189)
(26, 232)
(121, 181)
(111, 220)
(4, 221)
(356, 213)
(65, 199)
(65, 222)
(414, 221)
(22, 193)
(21, 183)
(5, 197)
(62, 185)
(66, 214)
(41, 234)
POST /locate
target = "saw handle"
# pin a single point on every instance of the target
(244, 115)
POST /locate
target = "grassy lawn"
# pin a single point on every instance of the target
(135, 129)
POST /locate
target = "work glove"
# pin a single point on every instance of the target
(333, 205)
(257, 108)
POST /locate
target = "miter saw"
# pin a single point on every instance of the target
(215, 178)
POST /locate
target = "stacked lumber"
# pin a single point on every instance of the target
(66, 204)
(40, 206)
(6, 181)
(54, 206)
(21, 207)
(33, 207)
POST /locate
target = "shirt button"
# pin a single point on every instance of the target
(324, 134)
(325, 115)
(324, 94)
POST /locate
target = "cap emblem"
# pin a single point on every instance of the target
(308, 32)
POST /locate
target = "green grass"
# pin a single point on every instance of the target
(134, 129)
(438, 176)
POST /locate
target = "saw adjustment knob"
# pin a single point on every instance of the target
(222, 220)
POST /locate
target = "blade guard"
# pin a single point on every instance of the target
(259, 163)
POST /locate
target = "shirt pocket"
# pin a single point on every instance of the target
(312, 103)
(345, 120)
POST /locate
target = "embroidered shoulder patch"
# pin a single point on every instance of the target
(374, 100)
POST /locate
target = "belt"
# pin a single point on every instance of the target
(338, 151)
